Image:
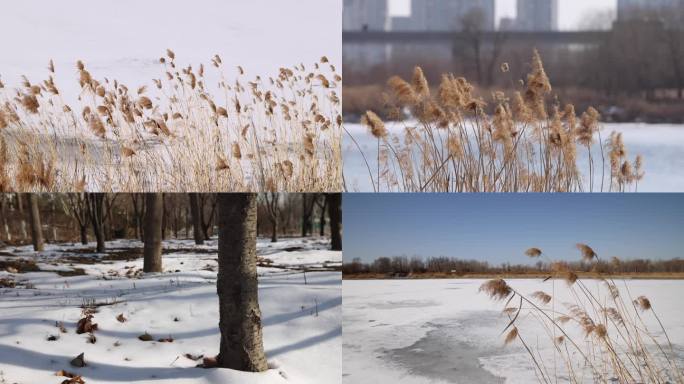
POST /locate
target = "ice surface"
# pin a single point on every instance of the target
(444, 331)
(124, 39)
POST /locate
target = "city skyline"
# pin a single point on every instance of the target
(571, 14)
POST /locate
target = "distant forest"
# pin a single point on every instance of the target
(404, 266)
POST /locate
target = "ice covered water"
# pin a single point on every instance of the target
(444, 331)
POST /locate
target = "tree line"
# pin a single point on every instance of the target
(638, 67)
(103, 217)
(403, 265)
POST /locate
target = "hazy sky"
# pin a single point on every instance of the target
(500, 227)
(571, 12)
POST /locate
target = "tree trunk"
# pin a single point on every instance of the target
(240, 317)
(196, 219)
(20, 206)
(96, 207)
(3, 214)
(322, 217)
(165, 219)
(335, 213)
(187, 222)
(274, 233)
(20, 203)
(34, 219)
(84, 233)
(136, 218)
(153, 232)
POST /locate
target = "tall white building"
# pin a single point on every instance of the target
(537, 15)
(448, 15)
(365, 15)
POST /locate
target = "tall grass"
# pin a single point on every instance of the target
(530, 143)
(601, 335)
(183, 133)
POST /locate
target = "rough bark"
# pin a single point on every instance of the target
(196, 219)
(240, 317)
(152, 260)
(34, 219)
(335, 214)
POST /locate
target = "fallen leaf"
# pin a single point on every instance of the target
(79, 361)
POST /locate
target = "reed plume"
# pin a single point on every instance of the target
(527, 143)
(195, 129)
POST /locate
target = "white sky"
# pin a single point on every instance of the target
(571, 12)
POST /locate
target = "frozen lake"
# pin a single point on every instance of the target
(444, 331)
(124, 39)
(661, 145)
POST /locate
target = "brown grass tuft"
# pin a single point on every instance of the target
(497, 289)
(533, 252)
(587, 252)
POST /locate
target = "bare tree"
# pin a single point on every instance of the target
(20, 207)
(240, 317)
(165, 219)
(207, 221)
(98, 211)
(139, 213)
(76, 205)
(335, 213)
(322, 204)
(674, 38)
(272, 202)
(196, 218)
(154, 213)
(308, 204)
(3, 213)
(34, 219)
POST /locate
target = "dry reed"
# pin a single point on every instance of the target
(185, 134)
(614, 344)
(449, 143)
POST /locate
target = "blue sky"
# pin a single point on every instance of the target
(500, 227)
(571, 12)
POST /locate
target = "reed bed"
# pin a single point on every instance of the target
(193, 129)
(601, 335)
(530, 143)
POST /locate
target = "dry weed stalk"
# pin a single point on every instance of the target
(617, 345)
(451, 144)
(185, 134)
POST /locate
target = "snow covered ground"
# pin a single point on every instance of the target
(302, 322)
(661, 146)
(444, 331)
